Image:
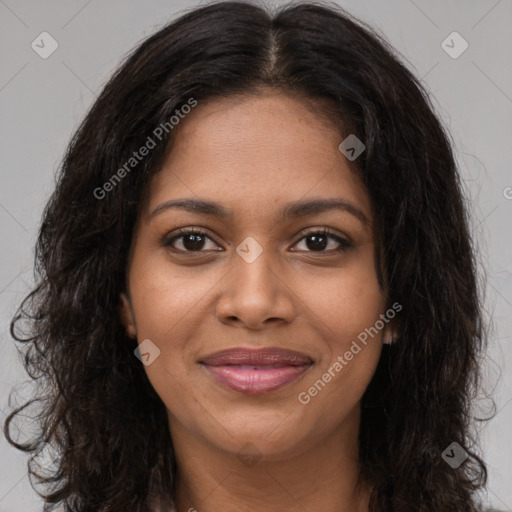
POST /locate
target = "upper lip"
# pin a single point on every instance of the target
(256, 357)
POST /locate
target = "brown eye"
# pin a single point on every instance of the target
(191, 240)
(318, 241)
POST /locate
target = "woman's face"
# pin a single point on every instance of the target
(256, 279)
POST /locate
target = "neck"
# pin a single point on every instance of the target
(324, 476)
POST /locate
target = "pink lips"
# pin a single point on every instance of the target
(256, 371)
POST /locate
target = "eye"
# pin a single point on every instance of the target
(191, 240)
(195, 240)
(319, 240)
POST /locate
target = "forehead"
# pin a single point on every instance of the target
(256, 152)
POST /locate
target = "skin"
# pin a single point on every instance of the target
(253, 155)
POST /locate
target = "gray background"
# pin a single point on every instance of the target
(42, 101)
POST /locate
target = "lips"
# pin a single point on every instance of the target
(256, 371)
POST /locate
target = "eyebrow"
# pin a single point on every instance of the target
(290, 211)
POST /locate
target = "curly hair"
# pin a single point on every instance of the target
(99, 412)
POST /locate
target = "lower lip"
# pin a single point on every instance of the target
(246, 379)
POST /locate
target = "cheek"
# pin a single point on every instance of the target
(345, 309)
(167, 306)
(166, 299)
(331, 397)
(345, 302)
(166, 309)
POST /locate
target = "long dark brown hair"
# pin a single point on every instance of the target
(97, 408)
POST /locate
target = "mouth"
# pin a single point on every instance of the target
(256, 371)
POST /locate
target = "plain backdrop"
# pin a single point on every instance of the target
(42, 101)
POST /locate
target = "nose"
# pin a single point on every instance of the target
(255, 293)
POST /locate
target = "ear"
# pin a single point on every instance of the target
(126, 314)
(390, 332)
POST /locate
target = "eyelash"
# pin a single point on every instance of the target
(326, 232)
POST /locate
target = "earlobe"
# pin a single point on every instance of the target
(390, 333)
(126, 315)
(388, 339)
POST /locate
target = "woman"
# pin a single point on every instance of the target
(257, 285)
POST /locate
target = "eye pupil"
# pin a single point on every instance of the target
(319, 241)
(197, 241)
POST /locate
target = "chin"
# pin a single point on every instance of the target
(275, 436)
